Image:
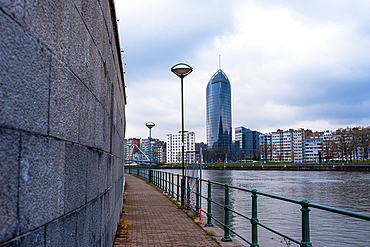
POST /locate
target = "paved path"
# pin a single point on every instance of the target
(155, 221)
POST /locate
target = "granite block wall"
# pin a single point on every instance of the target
(62, 123)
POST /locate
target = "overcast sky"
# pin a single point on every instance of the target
(291, 64)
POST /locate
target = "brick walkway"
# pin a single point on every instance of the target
(155, 221)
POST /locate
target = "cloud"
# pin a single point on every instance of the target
(291, 64)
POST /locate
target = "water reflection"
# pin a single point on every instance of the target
(345, 190)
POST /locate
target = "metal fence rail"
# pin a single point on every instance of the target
(165, 181)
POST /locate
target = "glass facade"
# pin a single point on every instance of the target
(219, 111)
(248, 140)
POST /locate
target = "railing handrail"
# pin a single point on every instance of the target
(162, 178)
(312, 205)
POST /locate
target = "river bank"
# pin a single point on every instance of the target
(297, 167)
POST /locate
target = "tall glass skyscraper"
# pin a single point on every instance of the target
(219, 111)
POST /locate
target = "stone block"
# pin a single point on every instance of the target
(14, 8)
(109, 169)
(107, 126)
(109, 64)
(92, 226)
(75, 176)
(24, 94)
(94, 66)
(82, 229)
(78, 47)
(94, 221)
(94, 178)
(62, 232)
(55, 234)
(105, 94)
(41, 181)
(34, 239)
(87, 118)
(117, 193)
(70, 226)
(49, 21)
(108, 205)
(103, 172)
(9, 162)
(120, 167)
(114, 169)
(65, 103)
(100, 140)
(106, 9)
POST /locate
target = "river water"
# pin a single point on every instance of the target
(344, 190)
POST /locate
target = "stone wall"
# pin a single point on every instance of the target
(62, 123)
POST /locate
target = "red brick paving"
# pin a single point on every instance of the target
(155, 221)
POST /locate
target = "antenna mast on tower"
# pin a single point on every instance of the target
(219, 61)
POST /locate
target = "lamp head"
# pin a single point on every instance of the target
(150, 125)
(181, 69)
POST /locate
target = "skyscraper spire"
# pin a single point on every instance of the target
(219, 61)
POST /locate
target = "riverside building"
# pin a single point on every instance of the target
(219, 128)
(265, 142)
(248, 140)
(288, 146)
(313, 146)
(174, 147)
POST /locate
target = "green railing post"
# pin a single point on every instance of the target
(162, 179)
(209, 205)
(150, 176)
(172, 186)
(305, 224)
(178, 188)
(164, 182)
(254, 219)
(137, 172)
(226, 237)
(168, 184)
(197, 207)
(188, 193)
(182, 192)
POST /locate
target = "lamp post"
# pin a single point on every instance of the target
(150, 125)
(182, 70)
(129, 145)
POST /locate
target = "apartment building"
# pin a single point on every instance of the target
(174, 148)
(265, 142)
(313, 146)
(288, 146)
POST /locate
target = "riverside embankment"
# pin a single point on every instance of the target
(256, 166)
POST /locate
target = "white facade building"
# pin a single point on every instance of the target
(174, 148)
(313, 146)
(288, 146)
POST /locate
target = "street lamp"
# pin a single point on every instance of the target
(130, 152)
(150, 125)
(129, 145)
(182, 70)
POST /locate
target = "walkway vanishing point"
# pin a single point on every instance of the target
(154, 220)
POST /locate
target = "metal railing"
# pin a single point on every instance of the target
(166, 182)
